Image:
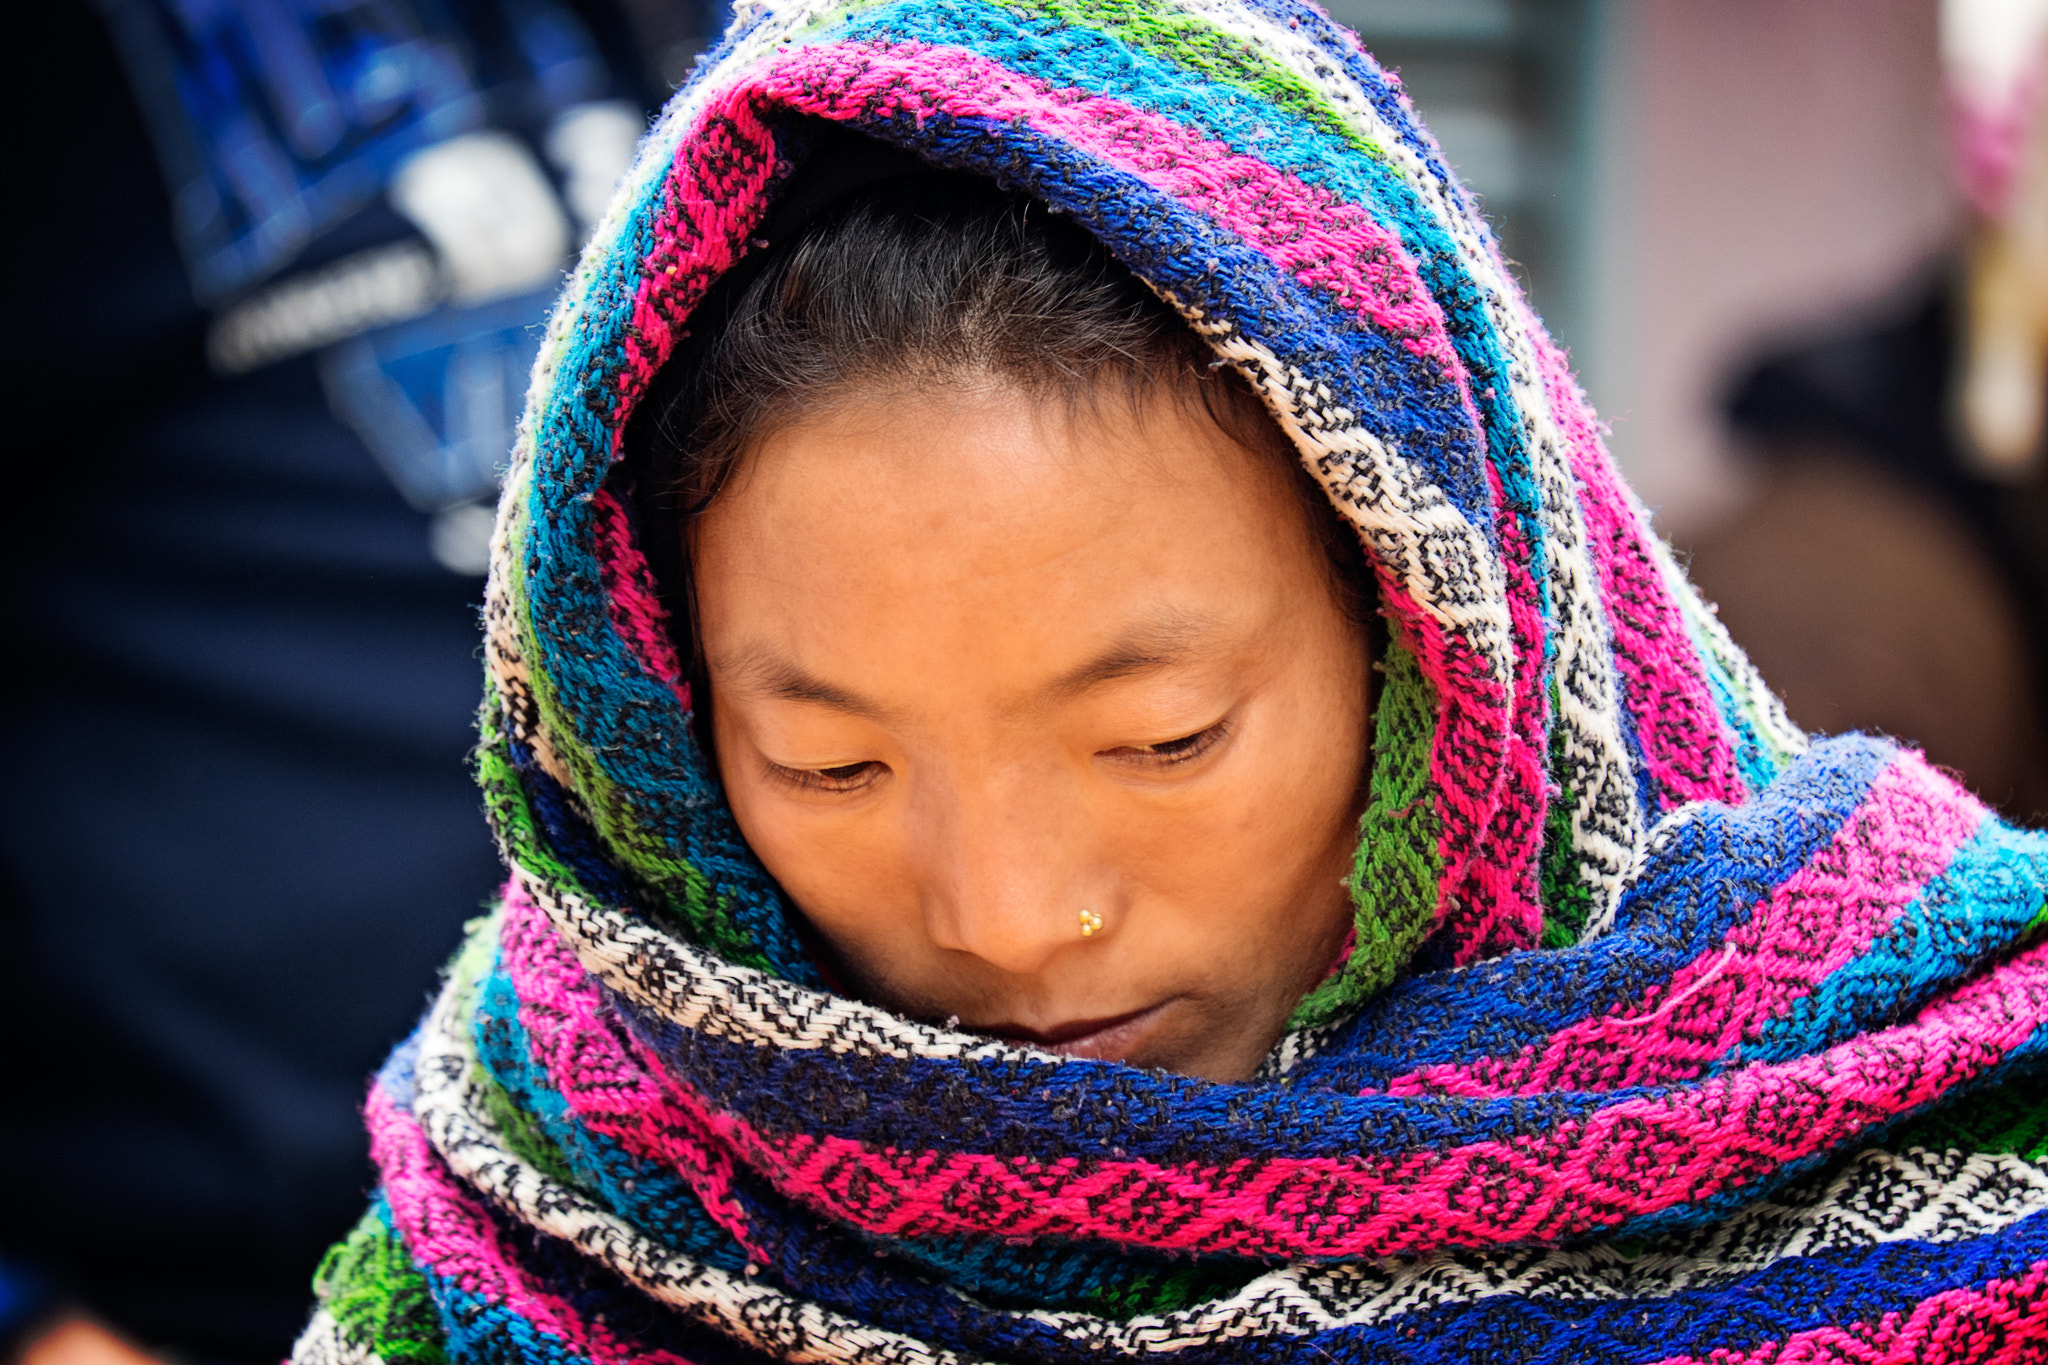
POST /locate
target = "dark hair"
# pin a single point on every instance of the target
(924, 279)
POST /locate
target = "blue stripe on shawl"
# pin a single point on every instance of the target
(1203, 264)
(1758, 766)
(1496, 1008)
(396, 1076)
(1795, 1294)
(626, 722)
(569, 836)
(480, 1332)
(1312, 23)
(1381, 92)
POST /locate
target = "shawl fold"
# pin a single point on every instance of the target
(1667, 1032)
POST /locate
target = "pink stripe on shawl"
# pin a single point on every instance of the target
(1902, 836)
(1686, 745)
(636, 611)
(1503, 908)
(608, 1078)
(2000, 1323)
(1635, 1157)
(714, 195)
(448, 1230)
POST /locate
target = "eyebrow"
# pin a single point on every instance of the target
(1169, 639)
(764, 674)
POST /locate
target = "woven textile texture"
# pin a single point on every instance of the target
(1668, 1034)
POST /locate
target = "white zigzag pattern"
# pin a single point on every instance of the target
(1411, 526)
(1875, 1198)
(696, 990)
(1606, 826)
(323, 1343)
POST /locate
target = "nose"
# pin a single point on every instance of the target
(1004, 873)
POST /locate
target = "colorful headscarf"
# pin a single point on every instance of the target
(1665, 1033)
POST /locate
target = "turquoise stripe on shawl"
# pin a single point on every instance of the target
(652, 1195)
(1997, 875)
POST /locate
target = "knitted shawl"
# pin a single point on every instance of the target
(1667, 1033)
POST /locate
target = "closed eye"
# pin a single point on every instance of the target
(1172, 752)
(847, 777)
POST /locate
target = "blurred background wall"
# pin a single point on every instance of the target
(1768, 166)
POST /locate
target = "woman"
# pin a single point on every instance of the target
(971, 898)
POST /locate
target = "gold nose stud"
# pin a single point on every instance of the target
(1090, 922)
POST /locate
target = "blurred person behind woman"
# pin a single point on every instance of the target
(273, 271)
(1891, 572)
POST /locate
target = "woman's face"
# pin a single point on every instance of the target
(986, 676)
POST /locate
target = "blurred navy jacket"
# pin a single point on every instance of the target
(237, 830)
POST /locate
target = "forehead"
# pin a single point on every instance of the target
(987, 523)
(972, 483)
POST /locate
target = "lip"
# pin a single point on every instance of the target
(1111, 1040)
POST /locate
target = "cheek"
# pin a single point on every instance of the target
(1298, 780)
(850, 881)
(1268, 842)
(844, 867)
(829, 865)
(1259, 860)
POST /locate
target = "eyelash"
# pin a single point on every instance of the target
(845, 778)
(1186, 749)
(852, 776)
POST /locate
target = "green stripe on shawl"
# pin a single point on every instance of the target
(1220, 57)
(2010, 1118)
(505, 799)
(1395, 872)
(701, 914)
(1149, 1293)
(685, 892)
(521, 1130)
(378, 1298)
(640, 850)
(1567, 899)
